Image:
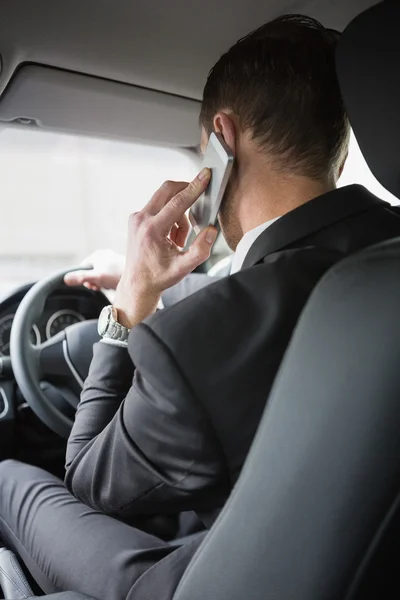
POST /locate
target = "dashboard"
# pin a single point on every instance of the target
(63, 308)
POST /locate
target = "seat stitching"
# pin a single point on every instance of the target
(13, 582)
(19, 572)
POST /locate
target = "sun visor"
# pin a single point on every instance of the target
(368, 64)
(60, 100)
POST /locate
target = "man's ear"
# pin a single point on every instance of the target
(225, 124)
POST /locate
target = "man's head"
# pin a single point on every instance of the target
(275, 98)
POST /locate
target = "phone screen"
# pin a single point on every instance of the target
(219, 159)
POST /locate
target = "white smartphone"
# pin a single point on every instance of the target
(219, 159)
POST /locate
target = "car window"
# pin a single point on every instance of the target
(356, 170)
(63, 197)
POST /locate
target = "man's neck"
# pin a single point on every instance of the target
(266, 193)
(265, 196)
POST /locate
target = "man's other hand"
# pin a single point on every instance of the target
(107, 268)
(155, 260)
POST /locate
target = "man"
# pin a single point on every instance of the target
(165, 423)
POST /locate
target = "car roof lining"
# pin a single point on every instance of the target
(158, 48)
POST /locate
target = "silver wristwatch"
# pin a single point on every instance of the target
(108, 326)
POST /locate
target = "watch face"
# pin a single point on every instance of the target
(104, 320)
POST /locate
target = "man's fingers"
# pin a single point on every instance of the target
(174, 233)
(90, 286)
(183, 228)
(174, 210)
(198, 252)
(73, 278)
(80, 277)
(168, 190)
(180, 232)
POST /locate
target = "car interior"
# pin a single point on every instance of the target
(314, 515)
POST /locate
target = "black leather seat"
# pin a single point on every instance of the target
(315, 514)
(320, 488)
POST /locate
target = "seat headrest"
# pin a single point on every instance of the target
(368, 65)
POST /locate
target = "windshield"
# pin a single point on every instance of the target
(65, 196)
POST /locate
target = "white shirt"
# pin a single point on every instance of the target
(246, 243)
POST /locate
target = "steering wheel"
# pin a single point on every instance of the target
(51, 375)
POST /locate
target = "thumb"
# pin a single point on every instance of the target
(200, 250)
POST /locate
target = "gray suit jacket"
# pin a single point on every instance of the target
(166, 426)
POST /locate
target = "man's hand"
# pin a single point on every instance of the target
(154, 259)
(107, 270)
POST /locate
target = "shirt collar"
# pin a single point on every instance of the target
(311, 217)
(246, 243)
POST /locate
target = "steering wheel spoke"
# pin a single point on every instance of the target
(51, 375)
(49, 357)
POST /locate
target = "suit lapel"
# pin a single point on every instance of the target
(310, 218)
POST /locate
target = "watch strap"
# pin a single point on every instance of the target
(116, 331)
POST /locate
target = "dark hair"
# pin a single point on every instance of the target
(280, 81)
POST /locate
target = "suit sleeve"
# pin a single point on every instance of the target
(109, 381)
(158, 454)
